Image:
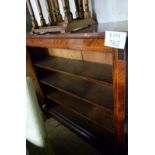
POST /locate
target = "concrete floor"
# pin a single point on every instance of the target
(66, 142)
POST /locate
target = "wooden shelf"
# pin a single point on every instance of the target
(83, 125)
(95, 72)
(98, 116)
(97, 95)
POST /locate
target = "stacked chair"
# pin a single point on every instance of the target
(58, 23)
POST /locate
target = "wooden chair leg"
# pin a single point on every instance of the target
(34, 21)
(50, 16)
(58, 14)
(79, 9)
(68, 15)
(42, 20)
(53, 11)
(86, 10)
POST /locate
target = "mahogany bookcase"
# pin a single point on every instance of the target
(87, 97)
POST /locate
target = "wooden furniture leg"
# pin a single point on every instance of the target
(34, 21)
(86, 10)
(42, 20)
(79, 9)
(49, 10)
(58, 14)
(68, 15)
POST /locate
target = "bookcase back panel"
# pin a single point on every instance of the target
(91, 56)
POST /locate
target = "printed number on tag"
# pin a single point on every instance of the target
(115, 39)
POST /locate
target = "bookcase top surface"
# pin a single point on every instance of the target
(94, 31)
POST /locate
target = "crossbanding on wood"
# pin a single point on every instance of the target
(42, 20)
(49, 10)
(34, 21)
(58, 14)
(68, 15)
(86, 9)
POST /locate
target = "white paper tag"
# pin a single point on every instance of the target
(115, 39)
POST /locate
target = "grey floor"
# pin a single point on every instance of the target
(66, 142)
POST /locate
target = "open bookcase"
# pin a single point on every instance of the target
(86, 96)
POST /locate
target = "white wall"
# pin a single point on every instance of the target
(104, 10)
(110, 10)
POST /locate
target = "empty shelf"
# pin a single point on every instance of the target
(85, 90)
(101, 73)
(102, 118)
(81, 124)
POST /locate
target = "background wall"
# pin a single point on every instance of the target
(110, 10)
(103, 10)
